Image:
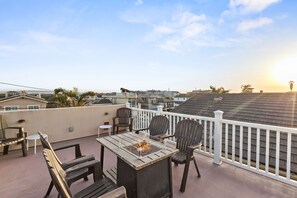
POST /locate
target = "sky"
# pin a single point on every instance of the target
(177, 45)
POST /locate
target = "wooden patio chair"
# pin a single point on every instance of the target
(18, 137)
(158, 127)
(79, 159)
(100, 186)
(123, 119)
(188, 134)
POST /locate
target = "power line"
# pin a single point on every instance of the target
(24, 86)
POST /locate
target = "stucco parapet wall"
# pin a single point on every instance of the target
(57, 122)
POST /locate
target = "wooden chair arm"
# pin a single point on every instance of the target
(77, 161)
(119, 192)
(20, 128)
(137, 130)
(166, 136)
(21, 133)
(193, 147)
(114, 119)
(94, 165)
(77, 149)
(191, 150)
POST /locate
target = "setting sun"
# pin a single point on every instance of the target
(286, 70)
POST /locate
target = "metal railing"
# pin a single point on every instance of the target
(263, 149)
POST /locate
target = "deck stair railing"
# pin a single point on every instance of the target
(264, 149)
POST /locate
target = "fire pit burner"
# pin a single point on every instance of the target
(142, 148)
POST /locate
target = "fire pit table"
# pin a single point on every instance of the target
(143, 165)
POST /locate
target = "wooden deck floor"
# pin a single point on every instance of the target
(28, 176)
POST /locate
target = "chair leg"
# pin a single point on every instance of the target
(49, 189)
(24, 148)
(5, 150)
(113, 130)
(196, 166)
(185, 176)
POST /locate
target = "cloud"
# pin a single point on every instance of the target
(252, 24)
(7, 48)
(172, 44)
(179, 31)
(163, 29)
(138, 2)
(46, 38)
(248, 6)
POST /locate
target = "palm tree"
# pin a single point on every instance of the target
(246, 88)
(70, 98)
(218, 90)
(291, 83)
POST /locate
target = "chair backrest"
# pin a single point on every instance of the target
(3, 126)
(57, 174)
(158, 125)
(124, 114)
(187, 133)
(47, 145)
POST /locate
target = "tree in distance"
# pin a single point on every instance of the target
(218, 90)
(246, 88)
(291, 83)
(70, 98)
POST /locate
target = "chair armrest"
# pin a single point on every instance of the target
(94, 165)
(166, 136)
(137, 130)
(193, 147)
(77, 161)
(119, 192)
(77, 149)
(191, 150)
(15, 128)
(114, 119)
(21, 132)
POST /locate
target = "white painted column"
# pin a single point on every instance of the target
(139, 105)
(159, 109)
(218, 137)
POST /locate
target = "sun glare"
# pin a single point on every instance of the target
(286, 70)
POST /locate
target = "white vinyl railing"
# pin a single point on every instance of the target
(142, 118)
(263, 149)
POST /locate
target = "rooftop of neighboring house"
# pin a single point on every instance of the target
(103, 101)
(264, 108)
(22, 95)
(183, 95)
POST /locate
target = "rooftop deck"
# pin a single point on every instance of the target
(28, 176)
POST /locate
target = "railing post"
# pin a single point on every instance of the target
(139, 105)
(159, 109)
(218, 137)
(128, 105)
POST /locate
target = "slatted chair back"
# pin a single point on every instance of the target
(57, 173)
(187, 133)
(3, 126)
(158, 125)
(124, 114)
(47, 145)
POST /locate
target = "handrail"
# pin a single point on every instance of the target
(261, 126)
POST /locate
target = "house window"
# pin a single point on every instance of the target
(33, 107)
(11, 108)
